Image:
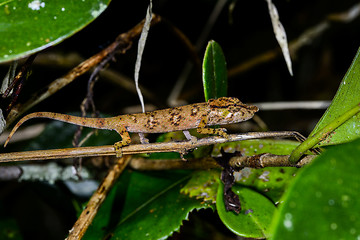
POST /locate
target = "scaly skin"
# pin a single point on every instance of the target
(219, 111)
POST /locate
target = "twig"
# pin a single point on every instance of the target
(71, 59)
(88, 214)
(23, 72)
(122, 43)
(175, 92)
(181, 147)
(257, 161)
(304, 39)
(270, 106)
(18, 81)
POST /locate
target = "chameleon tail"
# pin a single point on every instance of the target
(100, 123)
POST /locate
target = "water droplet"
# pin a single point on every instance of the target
(28, 44)
(333, 226)
(62, 9)
(345, 198)
(55, 17)
(288, 224)
(96, 13)
(36, 5)
(331, 202)
(352, 231)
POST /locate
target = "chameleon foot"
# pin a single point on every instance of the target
(143, 139)
(190, 137)
(222, 132)
(118, 149)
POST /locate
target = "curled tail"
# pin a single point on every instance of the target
(100, 123)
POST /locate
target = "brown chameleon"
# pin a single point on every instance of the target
(224, 110)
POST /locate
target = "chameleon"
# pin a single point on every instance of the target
(224, 110)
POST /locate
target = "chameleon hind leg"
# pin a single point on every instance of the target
(201, 128)
(125, 140)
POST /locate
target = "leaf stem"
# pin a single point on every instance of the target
(322, 134)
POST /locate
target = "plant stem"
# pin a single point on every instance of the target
(322, 134)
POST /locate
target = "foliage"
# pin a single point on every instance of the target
(30, 26)
(329, 208)
(214, 72)
(347, 96)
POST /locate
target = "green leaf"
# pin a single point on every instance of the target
(149, 206)
(159, 213)
(323, 133)
(203, 185)
(257, 146)
(270, 181)
(323, 201)
(255, 216)
(27, 27)
(214, 72)
(347, 96)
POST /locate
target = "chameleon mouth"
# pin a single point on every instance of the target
(252, 108)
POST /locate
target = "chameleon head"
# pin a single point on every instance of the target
(226, 110)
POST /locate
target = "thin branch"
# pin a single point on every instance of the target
(88, 214)
(178, 87)
(257, 161)
(181, 147)
(270, 106)
(69, 60)
(122, 43)
(22, 73)
(304, 39)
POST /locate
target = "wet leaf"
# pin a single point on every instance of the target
(30, 26)
(270, 181)
(154, 210)
(347, 96)
(322, 202)
(255, 217)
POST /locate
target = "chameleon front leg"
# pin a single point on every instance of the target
(125, 140)
(201, 128)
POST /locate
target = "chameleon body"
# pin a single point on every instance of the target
(219, 111)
